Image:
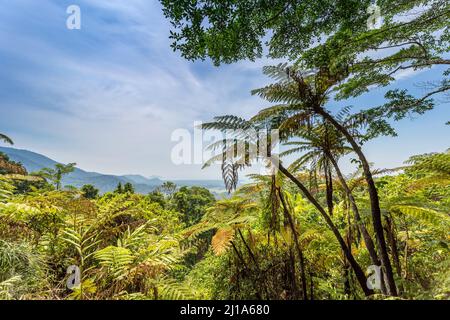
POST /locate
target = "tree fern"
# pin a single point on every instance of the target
(134, 239)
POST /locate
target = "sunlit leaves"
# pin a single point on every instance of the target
(221, 241)
(116, 260)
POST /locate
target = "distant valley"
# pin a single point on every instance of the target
(33, 162)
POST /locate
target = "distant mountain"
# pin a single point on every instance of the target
(138, 179)
(33, 162)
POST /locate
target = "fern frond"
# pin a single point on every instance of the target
(7, 286)
(170, 289)
(116, 260)
(230, 175)
(221, 241)
(6, 139)
(422, 213)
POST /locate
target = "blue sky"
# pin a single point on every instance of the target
(109, 96)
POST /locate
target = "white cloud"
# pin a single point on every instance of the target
(111, 101)
(109, 96)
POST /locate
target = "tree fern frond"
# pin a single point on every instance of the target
(278, 72)
(294, 150)
(422, 213)
(221, 241)
(170, 289)
(227, 122)
(6, 139)
(230, 175)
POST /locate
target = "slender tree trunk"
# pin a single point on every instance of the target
(250, 252)
(355, 266)
(328, 175)
(347, 274)
(297, 245)
(239, 255)
(252, 256)
(362, 228)
(374, 201)
(293, 274)
(310, 184)
(311, 286)
(329, 188)
(394, 249)
(393, 244)
(405, 254)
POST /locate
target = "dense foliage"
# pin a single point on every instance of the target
(131, 246)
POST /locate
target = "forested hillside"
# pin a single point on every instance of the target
(34, 162)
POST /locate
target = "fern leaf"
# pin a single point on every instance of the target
(222, 240)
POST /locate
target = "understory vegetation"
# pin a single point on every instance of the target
(266, 241)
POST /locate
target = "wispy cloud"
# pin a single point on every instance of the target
(112, 92)
(108, 96)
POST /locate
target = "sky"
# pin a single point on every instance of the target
(109, 96)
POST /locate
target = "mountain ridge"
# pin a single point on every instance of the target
(34, 161)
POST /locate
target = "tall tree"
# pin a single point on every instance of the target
(168, 188)
(128, 188)
(245, 134)
(322, 144)
(57, 173)
(301, 97)
(89, 191)
(230, 31)
(119, 188)
(414, 34)
(192, 203)
(235, 30)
